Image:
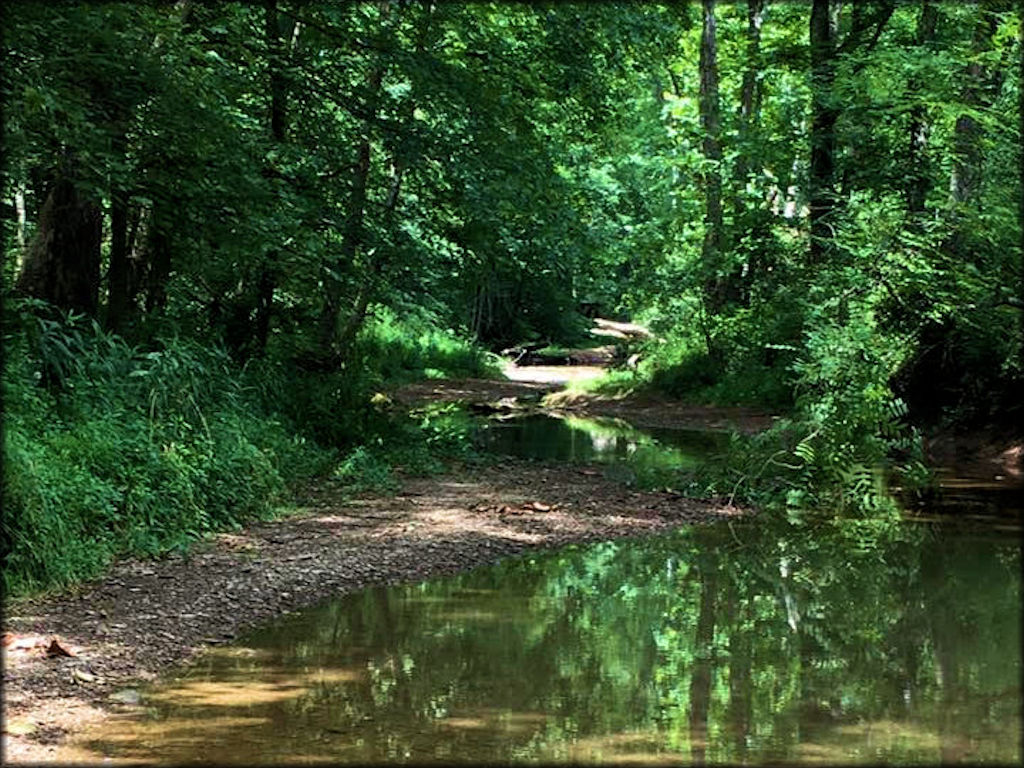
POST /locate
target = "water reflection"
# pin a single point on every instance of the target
(652, 456)
(849, 643)
(673, 457)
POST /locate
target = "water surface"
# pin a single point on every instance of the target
(652, 456)
(722, 644)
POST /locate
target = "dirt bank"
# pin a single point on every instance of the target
(145, 617)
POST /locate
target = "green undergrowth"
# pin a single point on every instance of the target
(412, 347)
(112, 450)
(845, 432)
(422, 444)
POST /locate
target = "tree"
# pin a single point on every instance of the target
(920, 176)
(711, 253)
(63, 262)
(823, 129)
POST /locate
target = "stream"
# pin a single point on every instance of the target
(749, 642)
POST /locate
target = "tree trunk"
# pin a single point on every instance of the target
(352, 237)
(119, 283)
(22, 218)
(823, 130)
(919, 178)
(750, 93)
(157, 257)
(967, 155)
(711, 252)
(334, 340)
(151, 270)
(748, 221)
(278, 131)
(369, 286)
(278, 86)
(62, 265)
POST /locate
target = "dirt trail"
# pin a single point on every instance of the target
(543, 386)
(145, 617)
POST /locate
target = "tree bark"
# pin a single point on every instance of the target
(966, 176)
(278, 131)
(823, 130)
(352, 235)
(119, 283)
(750, 93)
(62, 265)
(157, 257)
(369, 285)
(919, 178)
(747, 221)
(711, 253)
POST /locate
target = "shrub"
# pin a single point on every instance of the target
(128, 452)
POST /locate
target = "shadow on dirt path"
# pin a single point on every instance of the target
(144, 618)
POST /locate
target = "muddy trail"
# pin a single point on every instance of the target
(543, 388)
(75, 658)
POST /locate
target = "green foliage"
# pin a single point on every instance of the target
(128, 452)
(412, 347)
(364, 470)
(300, 210)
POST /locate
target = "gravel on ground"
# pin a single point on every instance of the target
(145, 618)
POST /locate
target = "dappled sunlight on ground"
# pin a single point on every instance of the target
(552, 374)
(145, 616)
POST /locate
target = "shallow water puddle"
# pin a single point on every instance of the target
(664, 456)
(609, 441)
(719, 643)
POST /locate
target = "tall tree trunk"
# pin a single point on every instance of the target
(967, 163)
(157, 257)
(153, 265)
(823, 130)
(278, 131)
(919, 178)
(278, 85)
(711, 252)
(750, 92)
(748, 222)
(62, 265)
(369, 286)
(119, 283)
(22, 219)
(352, 235)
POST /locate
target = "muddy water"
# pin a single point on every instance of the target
(742, 643)
(609, 441)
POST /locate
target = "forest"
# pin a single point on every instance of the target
(231, 229)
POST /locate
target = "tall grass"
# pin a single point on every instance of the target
(412, 347)
(111, 450)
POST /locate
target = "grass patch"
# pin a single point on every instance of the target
(111, 450)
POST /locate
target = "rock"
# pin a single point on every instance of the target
(126, 696)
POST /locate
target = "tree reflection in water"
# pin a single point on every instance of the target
(837, 642)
